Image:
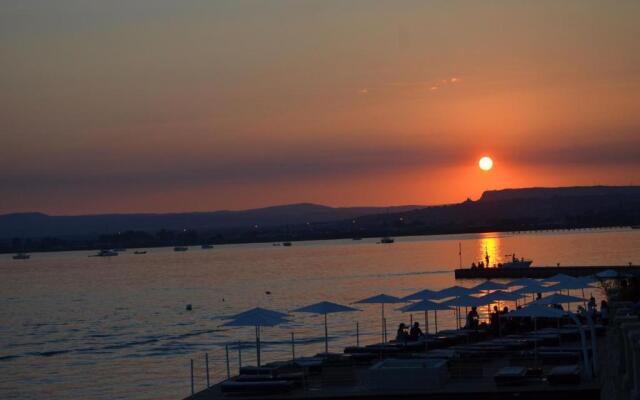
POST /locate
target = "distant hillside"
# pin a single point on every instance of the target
(499, 210)
(37, 225)
(549, 193)
(522, 209)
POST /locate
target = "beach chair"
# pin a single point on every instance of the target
(564, 375)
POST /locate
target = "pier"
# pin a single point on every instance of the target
(542, 272)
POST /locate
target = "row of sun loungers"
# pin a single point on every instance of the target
(464, 349)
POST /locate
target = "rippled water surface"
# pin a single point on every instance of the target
(73, 326)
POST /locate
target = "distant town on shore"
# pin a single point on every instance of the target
(497, 210)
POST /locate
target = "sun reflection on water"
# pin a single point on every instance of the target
(489, 246)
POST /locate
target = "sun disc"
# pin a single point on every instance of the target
(485, 163)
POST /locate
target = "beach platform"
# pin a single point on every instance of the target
(542, 272)
(521, 366)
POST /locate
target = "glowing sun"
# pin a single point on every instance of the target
(485, 163)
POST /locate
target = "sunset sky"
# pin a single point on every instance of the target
(164, 105)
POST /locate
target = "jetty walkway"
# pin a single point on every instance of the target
(542, 272)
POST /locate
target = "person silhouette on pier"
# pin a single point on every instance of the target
(415, 333)
(402, 336)
(473, 319)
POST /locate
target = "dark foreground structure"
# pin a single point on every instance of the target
(546, 363)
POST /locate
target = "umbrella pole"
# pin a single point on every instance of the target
(382, 323)
(435, 314)
(426, 322)
(326, 335)
(258, 345)
(535, 342)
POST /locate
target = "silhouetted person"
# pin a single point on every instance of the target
(494, 319)
(415, 333)
(538, 296)
(591, 307)
(604, 312)
(402, 335)
(473, 319)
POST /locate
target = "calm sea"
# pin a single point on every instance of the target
(72, 326)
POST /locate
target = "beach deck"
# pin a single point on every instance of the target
(461, 371)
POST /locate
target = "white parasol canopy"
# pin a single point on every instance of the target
(325, 307)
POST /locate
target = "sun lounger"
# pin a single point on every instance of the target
(294, 377)
(562, 375)
(256, 388)
(510, 376)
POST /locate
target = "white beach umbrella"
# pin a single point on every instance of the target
(464, 301)
(533, 288)
(608, 274)
(541, 311)
(557, 298)
(453, 291)
(500, 295)
(489, 285)
(536, 311)
(570, 285)
(325, 307)
(589, 279)
(558, 278)
(425, 294)
(523, 282)
(259, 311)
(257, 317)
(381, 299)
(426, 306)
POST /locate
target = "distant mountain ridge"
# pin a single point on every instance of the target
(507, 209)
(548, 193)
(34, 225)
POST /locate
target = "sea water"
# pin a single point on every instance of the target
(73, 326)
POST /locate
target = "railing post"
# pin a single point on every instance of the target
(385, 330)
(293, 347)
(192, 387)
(206, 365)
(226, 351)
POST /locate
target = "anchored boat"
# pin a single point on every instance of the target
(516, 262)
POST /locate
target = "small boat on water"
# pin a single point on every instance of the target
(22, 256)
(516, 262)
(387, 240)
(286, 244)
(180, 248)
(106, 253)
(206, 246)
(140, 252)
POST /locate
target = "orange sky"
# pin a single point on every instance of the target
(178, 106)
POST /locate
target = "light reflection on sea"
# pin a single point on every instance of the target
(107, 328)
